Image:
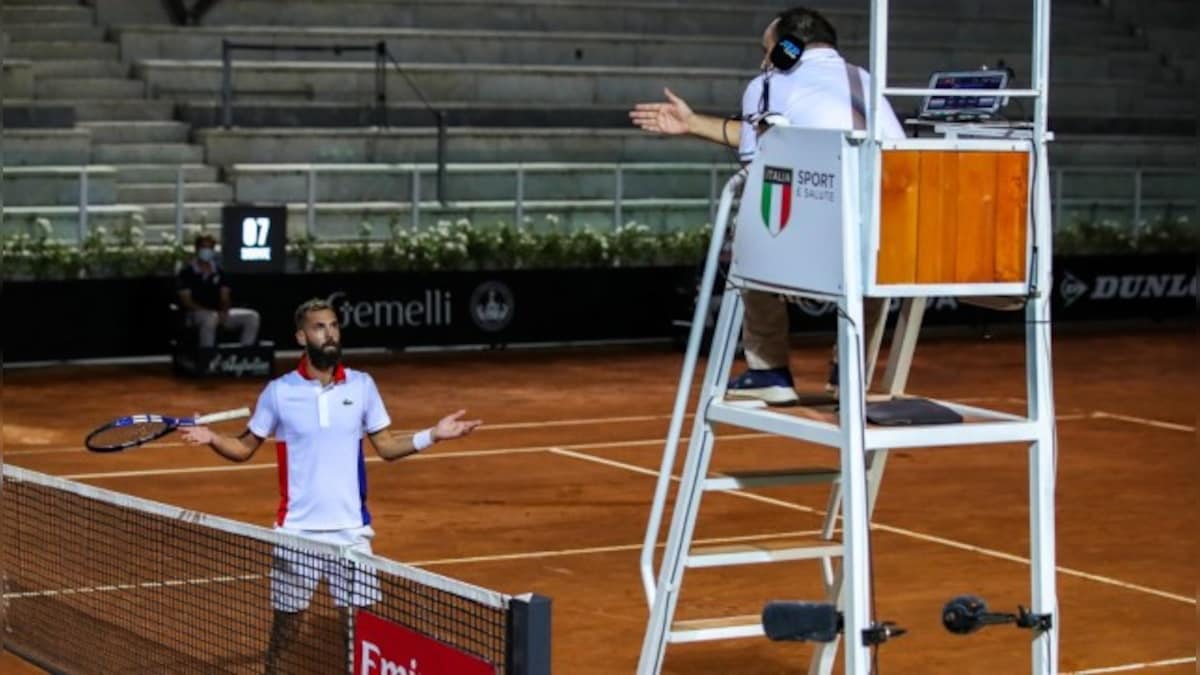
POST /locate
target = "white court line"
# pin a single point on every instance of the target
(273, 465)
(420, 457)
(906, 533)
(1100, 414)
(503, 426)
(567, 450)
(131, 587)
(443, 455)
(1135, 666)
(559, 553)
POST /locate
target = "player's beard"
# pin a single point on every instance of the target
(324, 357)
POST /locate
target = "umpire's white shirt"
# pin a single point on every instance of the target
(318, 434)
(814, 94)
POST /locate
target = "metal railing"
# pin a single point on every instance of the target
(1134, 199)
(520, 171)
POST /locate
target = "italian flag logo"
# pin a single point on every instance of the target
(776, 198)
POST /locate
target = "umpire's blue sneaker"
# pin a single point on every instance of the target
(773, 386)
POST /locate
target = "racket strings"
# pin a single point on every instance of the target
(122, 436)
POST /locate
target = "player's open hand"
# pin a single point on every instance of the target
(197, 435)
(671, 117)
(453, 426)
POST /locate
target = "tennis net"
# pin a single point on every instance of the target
(97, 581)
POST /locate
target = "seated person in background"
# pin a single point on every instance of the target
(205, 296)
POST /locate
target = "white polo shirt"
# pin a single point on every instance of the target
(814, 94)
(318, 442)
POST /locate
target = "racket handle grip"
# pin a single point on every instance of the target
(223, 416)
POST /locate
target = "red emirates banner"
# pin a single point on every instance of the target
(382, 647)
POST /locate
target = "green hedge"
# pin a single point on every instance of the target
(33, 254)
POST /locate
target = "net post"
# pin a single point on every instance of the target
(529, 635)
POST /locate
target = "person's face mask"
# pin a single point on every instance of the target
(206, 254)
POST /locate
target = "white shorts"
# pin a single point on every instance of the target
(295, 574)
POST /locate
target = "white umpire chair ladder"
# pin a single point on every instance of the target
(844, 263)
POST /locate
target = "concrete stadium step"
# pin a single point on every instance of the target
(207, 213)
(59, 32)
(552, 48)
(38, 50)
(26, 113)
(147, 153)
(705, 19)
(99, 110)
(506, 83)
(57, 185)
(40, 14)
(165, 173)
(79, 68)
(45, 147)
(331, 114)
(158, 193)
(1174, 39)
(224, 147)
(476, 182)
(464, 145)
(17, 78)
(440, 45)
(64, 220)
(1127, 151)
(1169, 13)
(1188, 67)
(41, 3)
(958, 7)
(152, 131)
(1099, 183)
(90, 87)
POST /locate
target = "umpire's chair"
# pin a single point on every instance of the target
(226, 359)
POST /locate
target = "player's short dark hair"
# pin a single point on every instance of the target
(311, 305)
(807, 24)
(203, 240)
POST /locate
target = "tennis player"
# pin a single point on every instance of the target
(318, 415)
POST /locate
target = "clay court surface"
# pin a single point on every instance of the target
(552, 495)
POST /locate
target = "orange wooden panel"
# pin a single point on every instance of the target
(1012, 209)
(976, 196)
(897, 263)
(936, 220)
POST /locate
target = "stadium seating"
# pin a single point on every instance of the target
(520, 81)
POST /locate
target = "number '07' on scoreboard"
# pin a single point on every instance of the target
(253, 238)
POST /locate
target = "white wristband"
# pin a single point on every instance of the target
(422, 440)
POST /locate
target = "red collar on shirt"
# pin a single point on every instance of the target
(339, 373)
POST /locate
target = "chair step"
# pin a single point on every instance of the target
(700, 630)
(748, 553)
(737, 480)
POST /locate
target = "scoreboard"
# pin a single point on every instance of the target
(253, 238)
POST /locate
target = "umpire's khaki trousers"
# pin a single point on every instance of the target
(765, 328)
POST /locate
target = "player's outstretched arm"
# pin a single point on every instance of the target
(391, 445)
(236, 449)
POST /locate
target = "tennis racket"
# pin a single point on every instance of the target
(129, 432)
